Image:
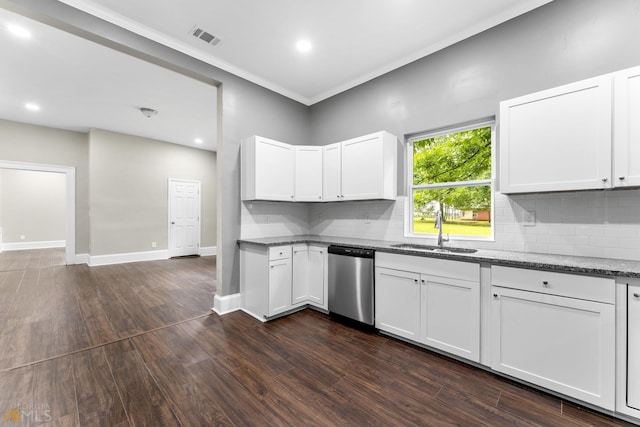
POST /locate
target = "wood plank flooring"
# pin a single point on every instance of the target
(50, 309)
(304, 369)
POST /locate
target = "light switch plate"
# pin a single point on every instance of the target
(529, 218)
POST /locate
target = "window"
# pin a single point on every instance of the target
(451, 172)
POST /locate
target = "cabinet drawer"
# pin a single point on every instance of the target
(569, 285)
(432, 266)
(279, 252)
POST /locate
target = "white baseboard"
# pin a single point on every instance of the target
(208, 251)
(82, 259)
(21, 246)
(226, 304)
(96, 260)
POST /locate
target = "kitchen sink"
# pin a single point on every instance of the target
(433, 248)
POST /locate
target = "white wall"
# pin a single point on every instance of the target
(33, 204)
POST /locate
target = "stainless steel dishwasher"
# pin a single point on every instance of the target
(351, 283)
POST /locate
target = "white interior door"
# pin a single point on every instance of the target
(184, 217)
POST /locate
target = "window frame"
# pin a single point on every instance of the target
(411, 187)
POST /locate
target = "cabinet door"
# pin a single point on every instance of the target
(274, 170)
(308, 176)
(558, 139)
(331, 172)
(362, 168)
(627, 128)
(300, 275)
(317, 276)
(279, 286)
(633, 346)
(450, 312)
(397, 302)
(564, 344)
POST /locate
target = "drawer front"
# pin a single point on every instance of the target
(432, 266)
(279, 252)
(589, 288)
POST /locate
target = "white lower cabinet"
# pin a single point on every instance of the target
(450, 313)
(565, 344)
(278, 279)
(279, 286)
(397, 302)
(431, 301)
(309, 284)
(633, 346)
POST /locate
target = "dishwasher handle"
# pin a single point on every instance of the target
(351, 251)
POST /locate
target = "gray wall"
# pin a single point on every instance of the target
(244, 109)
(36, 144)
(33, 204)
(129, 191)
(561, 42)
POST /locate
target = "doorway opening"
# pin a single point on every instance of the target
(70, 196)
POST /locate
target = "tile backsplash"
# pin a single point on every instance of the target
(589, 223)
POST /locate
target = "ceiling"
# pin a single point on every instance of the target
(352, 41)
(81, 85)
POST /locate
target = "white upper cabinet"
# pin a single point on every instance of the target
(626, 167)
(363, 168)
(331, 172)
(558, 139)
(267, 170)
(308, 175)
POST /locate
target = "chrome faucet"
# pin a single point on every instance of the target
(438, 225)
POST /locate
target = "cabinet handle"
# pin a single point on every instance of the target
(545, 284)
(415, 280)
(621, 178)
(292, 197)
(605, 179)
(636, 295)
(320, 197)
(422, 280)
(495, 295)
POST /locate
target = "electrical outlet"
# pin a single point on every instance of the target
(153, 244)
(529, 218)
(22, 237)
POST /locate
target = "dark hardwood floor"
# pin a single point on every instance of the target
(154, 369)
(50, 309)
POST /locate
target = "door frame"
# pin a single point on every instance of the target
(70, 214)
(199, 209)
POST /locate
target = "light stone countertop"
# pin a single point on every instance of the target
(560, 263)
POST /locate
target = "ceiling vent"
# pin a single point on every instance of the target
(204, 36)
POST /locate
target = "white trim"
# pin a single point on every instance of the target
(96, 260)
(82, 259)
(410, 187)
(70, 224)
(199, 209)
(209, 251)
(21, 246)
(223, 304)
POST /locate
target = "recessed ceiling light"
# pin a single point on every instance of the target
(31, 106)
(303, 45)
(19, 31)
(198, 140)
